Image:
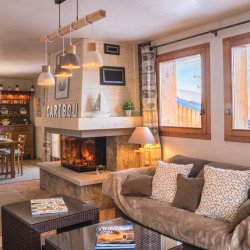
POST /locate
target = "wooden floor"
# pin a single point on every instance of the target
(31, 190)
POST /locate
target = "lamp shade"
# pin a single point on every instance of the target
(141, 135)
(70, 60)
(60, 72)
(93, 58)
(46, 78)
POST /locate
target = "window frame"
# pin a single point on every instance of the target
(197, 133)
(231, 134)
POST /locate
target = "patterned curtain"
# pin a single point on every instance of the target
(147, 74)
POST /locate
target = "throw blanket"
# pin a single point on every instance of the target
(182, 225)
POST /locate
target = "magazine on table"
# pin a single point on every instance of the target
(49, 206)
(115, 237)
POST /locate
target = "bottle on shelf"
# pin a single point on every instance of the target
(17, 88)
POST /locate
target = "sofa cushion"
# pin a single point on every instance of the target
(188, 193)
(223, 193)
(165, 180)
(225, 166)
(243, 213)
(138, 186)
(184, 160)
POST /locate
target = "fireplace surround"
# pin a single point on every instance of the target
(83, 154)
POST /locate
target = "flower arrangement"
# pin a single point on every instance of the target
(128, 105)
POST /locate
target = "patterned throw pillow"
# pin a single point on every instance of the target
(223, 193)
(164, 183)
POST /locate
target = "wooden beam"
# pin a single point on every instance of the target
(89, 19)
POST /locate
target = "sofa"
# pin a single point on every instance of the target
(185, 226)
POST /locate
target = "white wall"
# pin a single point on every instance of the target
(216, 149)
(115, 95)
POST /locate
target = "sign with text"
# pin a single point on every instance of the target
(62, 110)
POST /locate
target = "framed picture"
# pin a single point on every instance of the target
(111, 49)
(112, 75)
(62, 88)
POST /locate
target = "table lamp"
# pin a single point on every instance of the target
(142, 135)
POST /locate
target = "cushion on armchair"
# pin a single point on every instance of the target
(243, 213)
(188, 193)
(140, 185)
(184, 160)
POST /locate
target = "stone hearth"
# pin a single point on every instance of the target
(82, 186)
(86, 187)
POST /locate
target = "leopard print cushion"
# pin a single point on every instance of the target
(164, 182)
(223, 193)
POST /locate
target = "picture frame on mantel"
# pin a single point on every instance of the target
(62, 88)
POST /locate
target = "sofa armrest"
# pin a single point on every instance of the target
(113, 183)
(241, 235)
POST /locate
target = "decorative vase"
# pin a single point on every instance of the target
(128, 112)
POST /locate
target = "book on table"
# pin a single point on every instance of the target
(115, 237)
(45, 207)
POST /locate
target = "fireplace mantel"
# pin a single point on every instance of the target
(90, 127)
(81, 124)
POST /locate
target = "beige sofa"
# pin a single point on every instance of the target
(180, 224)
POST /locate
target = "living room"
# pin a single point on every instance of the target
(169, 86)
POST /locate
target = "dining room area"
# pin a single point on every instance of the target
(17, 155)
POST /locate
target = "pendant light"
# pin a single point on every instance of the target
(61, 72)
(93, 58)
(71, 60)
(46, 78)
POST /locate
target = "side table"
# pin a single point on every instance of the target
(21, 230)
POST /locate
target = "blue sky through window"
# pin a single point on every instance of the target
(188, 76)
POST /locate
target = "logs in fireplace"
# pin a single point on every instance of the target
(83, 154)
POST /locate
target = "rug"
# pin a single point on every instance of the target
(29, 174)
(8, 197)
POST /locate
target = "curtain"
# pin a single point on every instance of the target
(148, 85)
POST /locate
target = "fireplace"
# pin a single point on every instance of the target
(83, 154)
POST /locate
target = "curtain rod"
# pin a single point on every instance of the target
(214, 31)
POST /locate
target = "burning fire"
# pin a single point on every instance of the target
(86, 154)
(80, 153)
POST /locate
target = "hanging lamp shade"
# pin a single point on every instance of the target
(60, 72)
(93, 58)
(46, 78)
(70, 60)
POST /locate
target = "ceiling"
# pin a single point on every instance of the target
(23, 22)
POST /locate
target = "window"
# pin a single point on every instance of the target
(184, 92)
(237, 88)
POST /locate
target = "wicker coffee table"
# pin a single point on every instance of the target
(84, 238)
(22, 231)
